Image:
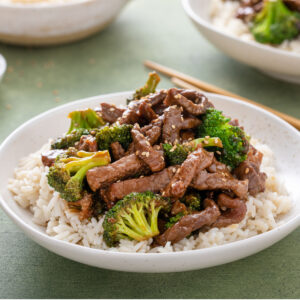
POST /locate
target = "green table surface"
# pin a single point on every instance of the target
(111, 61)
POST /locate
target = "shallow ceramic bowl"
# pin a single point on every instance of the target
(277, 63)
(2, 66)
(259, 123)
(44, 23)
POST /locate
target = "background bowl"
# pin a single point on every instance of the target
(2, 66)
(277, 63)
(268, 128)
(55, 23)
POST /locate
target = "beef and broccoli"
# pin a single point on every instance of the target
(163, 167)
(271, 21)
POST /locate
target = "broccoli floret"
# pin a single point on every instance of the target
(134, 218)
(84, 119)
(234, 140)
(176, 155)
(174, 220)
(275, 23)
(192, 201)
(115, 133)
(148, 88)
(82, 123)
(69, 140)
(67, 175)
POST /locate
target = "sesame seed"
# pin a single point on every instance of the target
(174, 170)
(247, 171)
(177, 96)
(93, 132)
(147, 143)
(142, 176)
(190, 139)
(137, 152)
(182, 118)
(205, 142)
(216, 141)
(147, 154)
(173, 126)
(144, 153)
(111, 109)
(218, 152)
(207, 137)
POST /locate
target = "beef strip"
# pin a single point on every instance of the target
(153, 158)
(109, 112)
(146, 111)
(153, 130)
(248, 9)
(178, 207)
(190, 123)
(250, 170)
(219, 181)
(49, 157)
(195, 163)
(293, 4)
(117, 150)
(125, 167)
(84, 205)
(154, 183)
(218, 167)
(171, 125)
(187, 135)
(157, 98)
(87, 143)
(235, 211)
(187, 224)
(174, 97)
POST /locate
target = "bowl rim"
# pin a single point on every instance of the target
(3, 66)
(43, 5)
(195, 17)
(291, 224)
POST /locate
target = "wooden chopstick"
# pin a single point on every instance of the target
(193, 82)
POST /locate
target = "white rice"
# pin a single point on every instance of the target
(31, 190)
(223, 17)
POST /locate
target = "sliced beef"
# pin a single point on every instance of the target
(172, 125)
(125, 167)
(109, 112)
(187, 224)
(87, 143)
(235, 211)
(195, 163)
(218, 167)
(117, 150)
(49, 157)
(293, 4)
(190, 123)
(157, 98)
(178, 207)
(154, 183)
(187, 135)
(146, 111)
(219, 181)
(153, 158)
(248, 9)
(84, 205)
(153, 130)
(174, 97)
(250, 170)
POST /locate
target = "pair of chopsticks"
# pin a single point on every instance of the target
(189, 82)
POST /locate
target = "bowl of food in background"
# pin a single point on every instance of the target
(262, 34)
(48, 22)
(2, 66)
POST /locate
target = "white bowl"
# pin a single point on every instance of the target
(2, 66)
(45, 23)
(261, 124)
(277, 63)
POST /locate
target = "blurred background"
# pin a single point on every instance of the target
(38, 79)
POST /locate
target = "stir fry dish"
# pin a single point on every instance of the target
(165, 166)
(271, 21)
